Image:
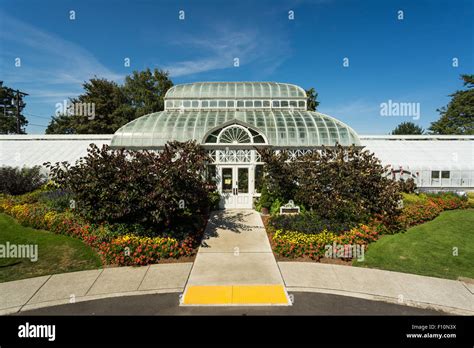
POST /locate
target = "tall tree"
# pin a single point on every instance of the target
(61, 124)
(8, 111)
(458, 116)
(114, 105)
(311, 97)
(145, 90)
(91, 112)
(408, 128)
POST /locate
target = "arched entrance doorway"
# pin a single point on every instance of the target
(237, 165)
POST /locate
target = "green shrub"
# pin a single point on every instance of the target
(470, 199)
(413, 198)
(214, 198)
(308, 223)
(265, 200)
(17, 181)
(275, 207)
(58, 200)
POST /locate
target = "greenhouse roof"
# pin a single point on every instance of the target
(280, 128)
(235, 90)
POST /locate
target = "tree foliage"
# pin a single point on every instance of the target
(8, 112)
(115, 105)
(311, 97)
(458, 116)
(145, 91)
(121, 186)
(408, 128)
(17, 181)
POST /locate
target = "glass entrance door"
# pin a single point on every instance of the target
(235, 187)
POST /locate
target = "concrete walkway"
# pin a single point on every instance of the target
(32, 293)
(452, 296)
(235, 264)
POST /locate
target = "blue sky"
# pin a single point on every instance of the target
(389, 59)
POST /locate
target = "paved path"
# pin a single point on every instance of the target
(235, 264)
(452, 296)
(81, 286)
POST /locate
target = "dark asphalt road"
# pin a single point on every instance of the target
(305, 303)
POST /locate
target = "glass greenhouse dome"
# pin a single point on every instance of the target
(230, 120)
(276, 112)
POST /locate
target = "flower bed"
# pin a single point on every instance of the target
(418, 213)
(299, 244)
(126, 250)
(294, 244)
(132, 250)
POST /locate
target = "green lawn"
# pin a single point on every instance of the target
(427, 249)
(56, 253)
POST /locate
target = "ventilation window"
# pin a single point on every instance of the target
(235, 135)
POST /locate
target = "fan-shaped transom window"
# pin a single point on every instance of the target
(235, 134)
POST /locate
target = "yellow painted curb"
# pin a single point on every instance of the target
(235, 295)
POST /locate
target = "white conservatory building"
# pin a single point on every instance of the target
(231, 119)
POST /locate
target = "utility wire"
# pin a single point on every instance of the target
(38, 116)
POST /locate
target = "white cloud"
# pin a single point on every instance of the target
(218, 51)
(52, 67)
